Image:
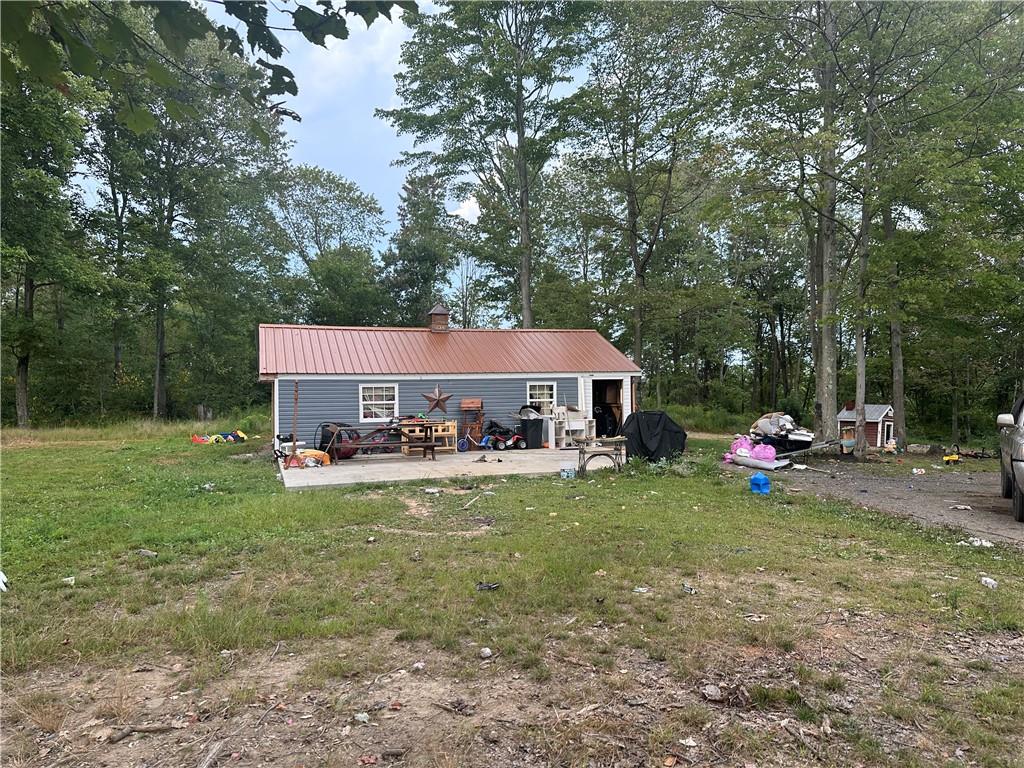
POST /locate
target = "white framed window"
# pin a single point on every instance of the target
(541, 395)
(887, 432)
(378, 402)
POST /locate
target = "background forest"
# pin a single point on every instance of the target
(769, 205)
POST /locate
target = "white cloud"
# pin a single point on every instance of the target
(468, 209)
(368, 59)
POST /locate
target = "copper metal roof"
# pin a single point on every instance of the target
(317, 349)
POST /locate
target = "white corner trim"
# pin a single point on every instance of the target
(276, 415)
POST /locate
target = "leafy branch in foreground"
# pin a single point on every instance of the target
(89, 38)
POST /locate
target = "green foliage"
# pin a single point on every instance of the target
(95, 41)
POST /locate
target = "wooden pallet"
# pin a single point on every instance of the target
(445, 435)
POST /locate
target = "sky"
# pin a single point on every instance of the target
(340, 86)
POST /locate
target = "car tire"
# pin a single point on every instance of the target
(1006, 483)
(1018, 504)
(500, 445)
(520, 444)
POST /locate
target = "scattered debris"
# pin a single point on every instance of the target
(393, 753)
(962, 507)
(486, 653)
(487, 586)
(491, 737)
(208, 487)
(688, 742)
(600, 572)
(362, 717)
(418, 666)
(145, 553)
(70, 581)
(3, 582)
(483, 457)
(641, 590)
(457, 707)
(712, 692)
(416, 556)
(688, 589)
(484, 521)
(371, 539)
(471, 502)
(755, 618)
(974, 541)
(128, 730)
(212, 754)
(367, 760)
(432, 491)
(917, 471)
(989, 582)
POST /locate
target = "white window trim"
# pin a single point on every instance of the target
(888, 427)
(363, 385)
(554, 391)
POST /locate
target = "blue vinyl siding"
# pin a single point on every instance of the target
(338, 399)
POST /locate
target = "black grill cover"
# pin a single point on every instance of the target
(652, 435)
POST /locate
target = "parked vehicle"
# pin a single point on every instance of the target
(1011, 462)
(504, 437)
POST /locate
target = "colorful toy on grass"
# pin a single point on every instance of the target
(238, 436)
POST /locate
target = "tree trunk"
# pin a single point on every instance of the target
(21, 391)
(160, 374)
(899, 399)
(638, 320)
(640, 282)
(825, 374)
(861, 342)
(23, 355)
(522, 175)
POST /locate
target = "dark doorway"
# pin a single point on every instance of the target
(607, 400)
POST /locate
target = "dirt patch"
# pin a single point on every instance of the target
(431, 534)
(417, 507)
(852, 683)
(930, 498)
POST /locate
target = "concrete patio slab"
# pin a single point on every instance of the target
(396, 468)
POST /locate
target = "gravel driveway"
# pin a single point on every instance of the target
(926, 498)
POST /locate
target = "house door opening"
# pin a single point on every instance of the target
(607, 400)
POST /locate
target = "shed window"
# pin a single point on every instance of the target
(378, 402)
(541, 395)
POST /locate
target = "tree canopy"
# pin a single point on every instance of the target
(769, 205)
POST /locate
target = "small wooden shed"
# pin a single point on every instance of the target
(878, 422)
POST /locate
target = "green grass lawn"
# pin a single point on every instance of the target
(243, 566)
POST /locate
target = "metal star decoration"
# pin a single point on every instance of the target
(437, 399)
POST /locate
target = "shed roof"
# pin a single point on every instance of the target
(872, 412)
(331, 350)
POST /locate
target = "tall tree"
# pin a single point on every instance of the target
(644, 113)
(479, 83)
(322, 211)
(416, 264)
(42, 131)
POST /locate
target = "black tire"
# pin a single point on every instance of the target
(520, 443)
(500, 445)
(1006, 484)
(1018, 504)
